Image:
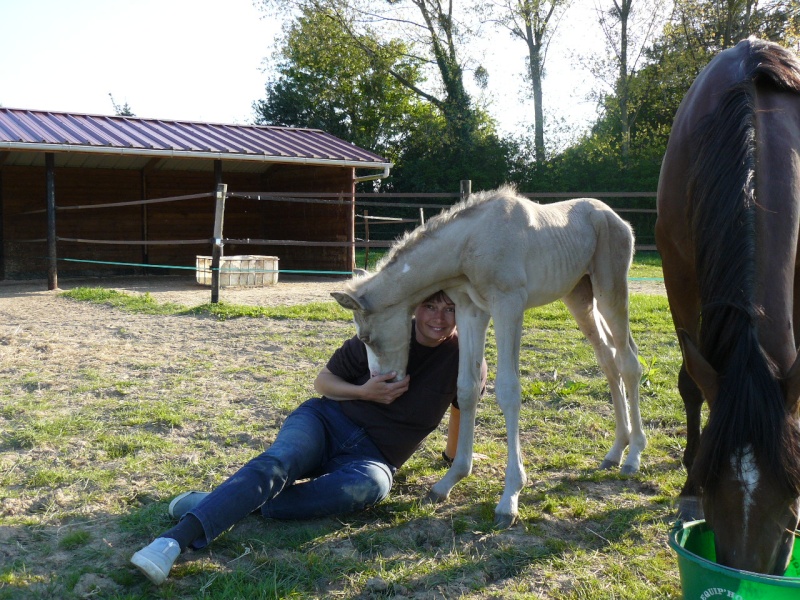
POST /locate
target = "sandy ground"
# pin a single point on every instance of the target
(183, 290)
(34, 296)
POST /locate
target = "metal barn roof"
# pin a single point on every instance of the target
(83, 140)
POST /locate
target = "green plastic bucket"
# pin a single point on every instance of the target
(703, 579)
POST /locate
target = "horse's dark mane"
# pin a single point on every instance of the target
(459, 210)
(749, 410)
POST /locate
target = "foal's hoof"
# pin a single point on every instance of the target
(503, 521)
(433, 498)
(629, 470)
(608, 464)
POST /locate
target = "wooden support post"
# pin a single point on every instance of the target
(217, 172)
(52, 255)
(145, 257)
(2, 227)
(366, 238)
(216, 250)
(466, 188)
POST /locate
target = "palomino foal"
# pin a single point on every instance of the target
(495, 255)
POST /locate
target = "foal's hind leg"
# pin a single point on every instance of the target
(507, 318)
(620, 364)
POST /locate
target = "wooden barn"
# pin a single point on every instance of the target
(81, 192)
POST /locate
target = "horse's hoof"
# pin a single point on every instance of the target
(629, 470)
(504, 521)
(608, 464)
(433, 498)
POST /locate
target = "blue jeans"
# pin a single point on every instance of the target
(342, 469)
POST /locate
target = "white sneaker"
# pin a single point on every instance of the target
(156, 559)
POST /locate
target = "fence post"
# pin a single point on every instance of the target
(216, 251)
(52, 254)
(366, 238)
(466, 188)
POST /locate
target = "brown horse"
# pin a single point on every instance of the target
(727, 231)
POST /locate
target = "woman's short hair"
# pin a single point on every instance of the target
(439, 296)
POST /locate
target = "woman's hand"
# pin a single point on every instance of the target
(379, 388)
(382, 388)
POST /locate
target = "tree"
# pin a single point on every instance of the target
(440, 133)
(629, 27)
(530, 21)
(431, 29)
(323, 80)
(705, 27)
(121, 111)
(694, 33)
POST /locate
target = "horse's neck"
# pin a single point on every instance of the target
(415, 274)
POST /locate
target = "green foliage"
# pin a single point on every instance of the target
(434, 159)
(365, 86)
(347, 85)
(372, 86)
(702, 28)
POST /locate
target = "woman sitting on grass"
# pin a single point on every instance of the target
(345, 446)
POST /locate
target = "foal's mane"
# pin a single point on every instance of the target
(460, 210)
(749, 409)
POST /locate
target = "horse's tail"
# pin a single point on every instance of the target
(723, 196)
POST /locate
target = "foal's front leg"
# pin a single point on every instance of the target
(472, 324)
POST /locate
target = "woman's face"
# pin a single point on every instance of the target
(436, 321)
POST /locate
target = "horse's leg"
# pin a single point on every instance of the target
(609, 282)
(628, 431)
(508, 332)
(681, 283)
(615, 312)
(472, 324)
(690, 507)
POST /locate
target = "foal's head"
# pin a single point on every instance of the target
(386, 332)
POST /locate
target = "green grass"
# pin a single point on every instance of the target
(90, 456)
(221, 311)
(646, 265)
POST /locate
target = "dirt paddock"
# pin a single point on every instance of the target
(184, 290)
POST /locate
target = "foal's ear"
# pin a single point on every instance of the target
(791, 386)
(702, 373)
(347, 301)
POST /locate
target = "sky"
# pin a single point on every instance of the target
(205, 60)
